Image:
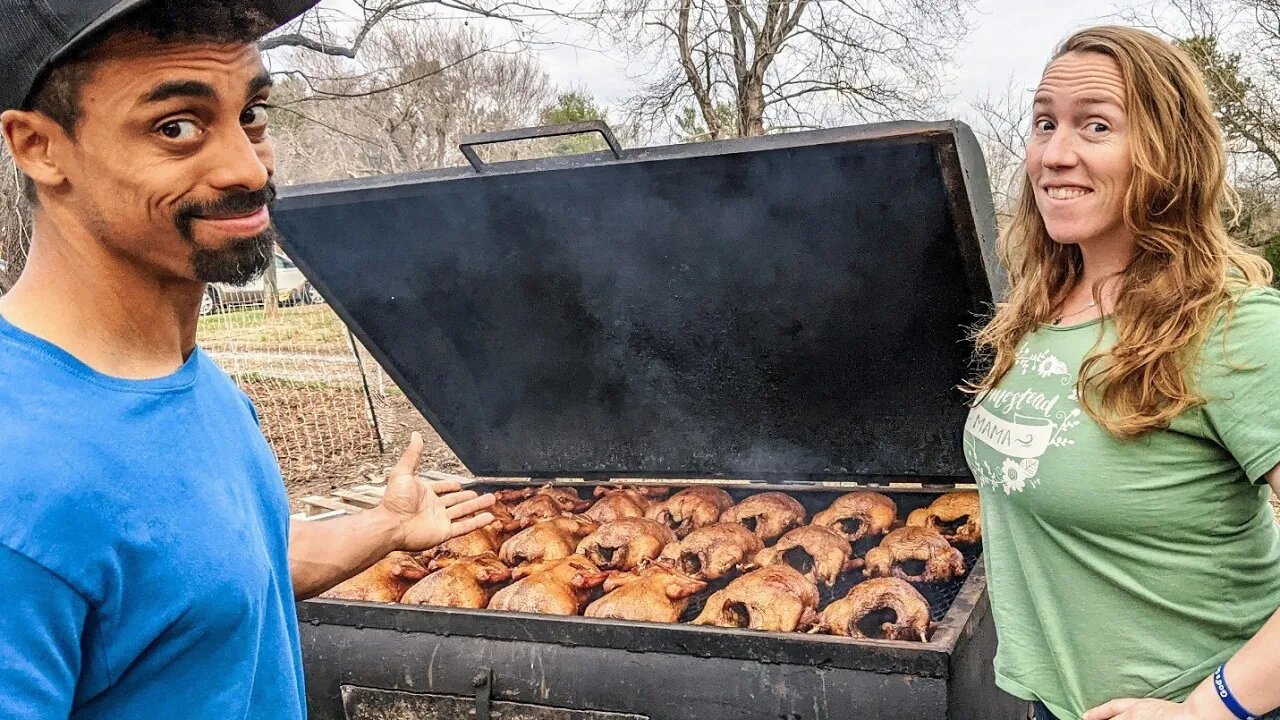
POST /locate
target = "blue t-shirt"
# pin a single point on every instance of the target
(143, 546)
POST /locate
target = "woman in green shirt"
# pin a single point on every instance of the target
(1129, 424)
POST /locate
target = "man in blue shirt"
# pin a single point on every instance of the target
(148, 565)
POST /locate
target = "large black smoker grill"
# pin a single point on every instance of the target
(789, 310)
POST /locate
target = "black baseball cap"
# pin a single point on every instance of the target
(36, 34)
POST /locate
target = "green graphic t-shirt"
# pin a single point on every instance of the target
(1128, 568)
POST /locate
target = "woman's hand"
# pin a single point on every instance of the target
(1201, 705)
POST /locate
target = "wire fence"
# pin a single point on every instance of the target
(325, 405)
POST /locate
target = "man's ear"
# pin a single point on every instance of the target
(32, 139)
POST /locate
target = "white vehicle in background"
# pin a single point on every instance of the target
(292, 289)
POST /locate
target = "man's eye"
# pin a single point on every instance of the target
(180, 130)
(255, 116)
(1044, 126)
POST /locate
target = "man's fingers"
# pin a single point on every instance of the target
(456, 498)
(408, 464)
(470, 507)
(1107, 711)
(440, 487)
(471, 524)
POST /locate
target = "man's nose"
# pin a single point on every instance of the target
(239, 164)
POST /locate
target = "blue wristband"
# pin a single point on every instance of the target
(1224, 692)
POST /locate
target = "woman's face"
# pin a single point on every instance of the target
(1078, 156)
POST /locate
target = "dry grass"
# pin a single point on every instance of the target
(311, 329)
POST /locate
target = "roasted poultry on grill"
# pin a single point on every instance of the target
(384, 581)
(624, 544)
(859, 514)
(915, 554)
(476, 542)
(711, 552)
(555, 587)
(956, 516)
(768, 514)
(818, 552)
(618, 503)
(775, 598)
(504, 523)
(657, 592)
(886, 608)
(459, 582)
(691, 509)
(542, 503)
(546, 540)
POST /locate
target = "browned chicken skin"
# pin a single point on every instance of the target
(711, 552)
(476, 542)
(547, 540)
(459, 582)
(818, 552)
(886, 608)
(542, 503)
(768, 514)
(774, 598)
(504, 523)
(859, 514)
(384, 581)
(691, 508)
(624, 544)
(956, 516)
(556, 587)
(915, 554)
(618, 503)
(657, 592)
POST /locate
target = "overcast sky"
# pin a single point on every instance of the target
(1011, 41)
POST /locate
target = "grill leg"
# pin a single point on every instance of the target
(483, 682)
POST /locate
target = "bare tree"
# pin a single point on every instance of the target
(1236, 44)
(752, 66)
(343, 32)
(422, 88)
(1002, 123)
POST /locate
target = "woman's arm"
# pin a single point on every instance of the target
(414, 515)
(1253, 675)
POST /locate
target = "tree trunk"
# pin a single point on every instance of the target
(751, 109)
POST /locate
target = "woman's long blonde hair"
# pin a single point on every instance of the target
(1186, 269)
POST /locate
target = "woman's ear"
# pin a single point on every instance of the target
(33, 139)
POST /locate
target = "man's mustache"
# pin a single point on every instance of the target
(231, 204)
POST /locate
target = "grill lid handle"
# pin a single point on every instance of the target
(467, 146)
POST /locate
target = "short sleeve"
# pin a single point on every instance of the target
(1240, 380)
(42, 621)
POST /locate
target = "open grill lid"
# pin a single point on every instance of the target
(790, 307)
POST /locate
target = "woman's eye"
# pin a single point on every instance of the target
(255, 116)
(180, 130)
(1097, 127)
